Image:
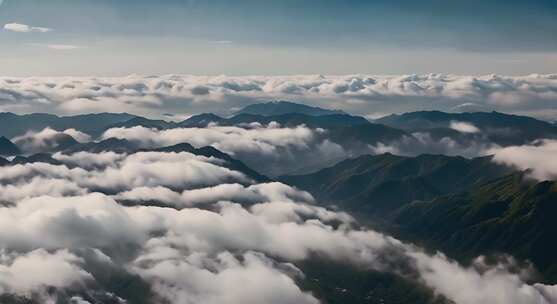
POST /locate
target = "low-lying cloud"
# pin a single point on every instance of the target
(177, 170)
(272, 149)
(49, 140)
(539, 157)
(214, 237)
(464, 127)
(32, 271)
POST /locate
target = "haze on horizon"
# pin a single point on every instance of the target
(248, 37)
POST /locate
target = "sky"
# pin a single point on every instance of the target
(287, 37)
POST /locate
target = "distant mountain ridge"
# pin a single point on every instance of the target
(290, 120)
(12, 125)
(500, 128)
(281, 107)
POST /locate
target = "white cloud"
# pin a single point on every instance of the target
(88, 160)
(39, 269)
(58, 47)
(48, 139)
(255, 279)
(63, 47)
(229, 239)
(222, 192)
(464, 127)
(263, 140)
(24, 28)
(478, 283)
(425, 143)
(358, 94)
(78, 135)
(39, 186)
(78, 300)
(538, 157)
(151, 169)
(271, 149)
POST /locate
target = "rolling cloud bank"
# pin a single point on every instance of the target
(217, 237)
(194, 230)
(366, 95)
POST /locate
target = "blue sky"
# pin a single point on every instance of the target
(109, 37)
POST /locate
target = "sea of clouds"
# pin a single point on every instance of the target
(367, 95)
(194, 230)
(197, 232)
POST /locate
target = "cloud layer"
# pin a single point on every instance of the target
(366, 95)
(196, 231)
(539, 157)
(271, 149)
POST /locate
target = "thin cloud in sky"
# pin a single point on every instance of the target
(24, 28)
(221, 41)
(63, 47)
(59, 47)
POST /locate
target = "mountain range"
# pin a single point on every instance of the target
(12, 125)
(419, 131)
(500, 128)
(464, 207)
(379, 184)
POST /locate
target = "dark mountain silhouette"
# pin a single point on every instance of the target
(368, 134)
(7, 148)
(145, 122)
(292, 119)
(201, 120)
(110, 144)
(12, 125)
(275, 108)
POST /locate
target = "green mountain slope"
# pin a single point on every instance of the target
(512, 214)
(383, 183)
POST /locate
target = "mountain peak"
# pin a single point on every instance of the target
(201, 120)
(8, 148)
(281, 107)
